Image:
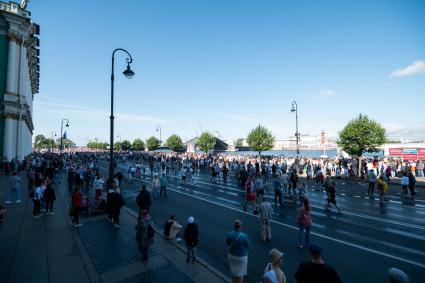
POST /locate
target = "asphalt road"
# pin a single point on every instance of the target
(362, 242)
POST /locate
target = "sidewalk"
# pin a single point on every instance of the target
(50, 250)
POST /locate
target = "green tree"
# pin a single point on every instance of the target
(67, 143)
(152, 143)
(174, 142)
(361, 135)
(138, 145)
(260, 139)
(117, 146)
(206, 142)
(39, 141)
(239, 142)
(125, 145)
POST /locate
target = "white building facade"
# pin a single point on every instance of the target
(19, 79)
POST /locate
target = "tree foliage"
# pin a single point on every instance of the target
(97, 145)
(117, 146)
(260, 139)
(41, 142)
(152, 143)
(361, 135)
(206, 142)
(174, 142)
(125, 145)
(138, 145)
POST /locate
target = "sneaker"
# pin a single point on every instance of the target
(178, 240)
(51, 213)
(78, 225)
(18, 201)
(300, 246)
(7, 202)
(117, 225)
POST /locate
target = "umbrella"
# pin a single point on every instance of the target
(323, 156)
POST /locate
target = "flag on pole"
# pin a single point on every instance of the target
(64, 135)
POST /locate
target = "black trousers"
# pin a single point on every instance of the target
(49, 205)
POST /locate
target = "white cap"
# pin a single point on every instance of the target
(190, 220)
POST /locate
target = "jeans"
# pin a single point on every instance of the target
(371, 188)
(301, 235)
(16, 192)
(285, 189)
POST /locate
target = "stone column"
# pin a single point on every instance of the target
(12, 65)
(9, 138)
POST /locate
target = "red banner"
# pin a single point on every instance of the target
(396, 151)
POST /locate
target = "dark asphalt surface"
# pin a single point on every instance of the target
(364, 238)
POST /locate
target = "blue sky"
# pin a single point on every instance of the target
(229, 65)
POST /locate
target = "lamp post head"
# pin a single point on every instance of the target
(293, 108)
(67, 124)
(128, 73)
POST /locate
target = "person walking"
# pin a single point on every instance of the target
(15, 188)
(265, 214)
(49, 198)
(36, 196)
(144, 235)
(276, 261)
(383, 188)
(77, 206)
(372, 182)
(191, 234)
(143, 199)
(304, 222)
(117, 201)
(277, 191)
(163, 183)
(316, 270)
(331, 199)
(155, 185)
(412, 182)
(238, 244)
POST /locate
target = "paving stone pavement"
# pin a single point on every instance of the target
(162, 274)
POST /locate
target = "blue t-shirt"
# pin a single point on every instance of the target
(238, 246)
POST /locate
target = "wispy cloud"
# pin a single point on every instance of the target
(55, 105)
(325, 92)
(413, 69)
(411, 132)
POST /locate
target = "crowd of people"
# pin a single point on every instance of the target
(89, 193)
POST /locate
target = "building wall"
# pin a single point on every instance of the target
(4, 50)
(19, 79)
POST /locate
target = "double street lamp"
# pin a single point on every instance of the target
(67, 125)
(297, 134)
(128, 73)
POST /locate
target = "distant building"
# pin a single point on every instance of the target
(19, 79)
(306, 142)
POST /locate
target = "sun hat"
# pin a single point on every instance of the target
(190, 220)
(398, 276)
(275, 255)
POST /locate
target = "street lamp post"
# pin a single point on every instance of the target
(128, 73)
(53, 140)
(67, 125)
(297, 134)
(160, 133)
